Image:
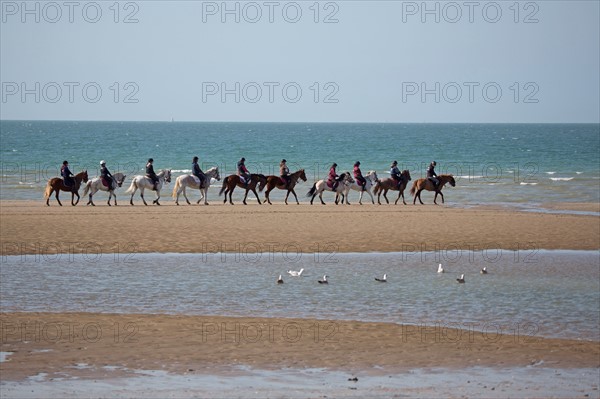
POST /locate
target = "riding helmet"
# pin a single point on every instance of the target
(65, 162)
(195, 159)
(243, 159)
(150, 160)
(395, 163)
(357, 163)
(283, 160)
(102, 163)
(433, 163)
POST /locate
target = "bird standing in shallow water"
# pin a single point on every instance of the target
(440, 268)
(461, 279)
(484, 270)
(324, 281)
(382, 280)
(280, 280)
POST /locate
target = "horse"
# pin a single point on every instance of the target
(278, 182)
(143, 182)
(231, 181)
(371, 179)
(384, 185)
(96, 184)
(345, 180)
(426, 184)
(57, 184)
(184, 181)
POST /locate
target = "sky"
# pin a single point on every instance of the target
(302, 61)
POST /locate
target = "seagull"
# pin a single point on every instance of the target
(461, 279)
(280, 280)
(295, 273)
(324, 281)
(382, 280)
(440, 268)
(484, 270)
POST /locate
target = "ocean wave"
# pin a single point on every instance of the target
(579, 173)
(550, 173)
(528, 184)
(181, 171)
(561, 178)
(470, 177)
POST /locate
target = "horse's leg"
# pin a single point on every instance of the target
(295, 196)
(403, 200)
(399, 194)
(385, 190)
(256, 194)
(321, 198)
(419, 195)
(267, 199)
(360, 198)
(286, 196)
(142, 195)
(442, 195)
(73, 197)
(230, 193)
(90, 201)
(372, 199)
(379, 197)
(185, 196)
(205, 195)
(115, 196)
(157, 198)
(56, 195)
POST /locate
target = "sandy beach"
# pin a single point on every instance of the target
(30, 227)
(97, 346)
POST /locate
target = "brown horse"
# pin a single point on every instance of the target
(426, 184)
(231, 181)
(384, 185)
(57, 184)
(275, 181)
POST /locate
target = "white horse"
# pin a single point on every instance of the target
(371, 179)
(345, 180)
(93, 185)
(184, 181)
(143, 182)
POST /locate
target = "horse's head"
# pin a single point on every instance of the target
(120, 178)
(262, 181)
(84, 176)
(372, 175)
(451, 180)
(217, 175)
(406, 174)
(302, 175)
(166, 175)
(346, 177)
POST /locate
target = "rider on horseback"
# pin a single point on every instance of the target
(332, 179)
(395, 173)
(67, 176)
(284, 172)
(196, 171)
(150, 173)
(431, 175)
(358, 175)
(106, 175)
(243, 171)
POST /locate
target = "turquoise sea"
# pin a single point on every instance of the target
(495, 164)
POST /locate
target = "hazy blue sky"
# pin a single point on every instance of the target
(352, 61)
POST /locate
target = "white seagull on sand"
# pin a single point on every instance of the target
(440, 268)
(295, 273)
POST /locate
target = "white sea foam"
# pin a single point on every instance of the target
(550, 173)
(561, 178)
(181, 171)
(528, 184)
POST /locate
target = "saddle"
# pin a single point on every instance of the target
(197, 180)
(106, 182)
(330, 183)
(282, 180)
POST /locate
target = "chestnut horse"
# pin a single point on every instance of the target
(57, 184)
(426, 184)
(277, 182)
(384, 185)
(231, 181)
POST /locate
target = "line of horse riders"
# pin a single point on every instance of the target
(340, 184)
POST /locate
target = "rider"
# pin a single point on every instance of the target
(358, 175)
(243, 171)
(106, 175)
(284, 172)
(332, 178)
(395, 173)
(67, 176)
(150, 173)
(431, 175)
(196, 171)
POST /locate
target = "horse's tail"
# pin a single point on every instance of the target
(312, 190)
(87, 187)
(262, 183)
(413, 189)
(377, 186)
(176, 188)
(131, 187)
(224, 186)
(48, 190)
